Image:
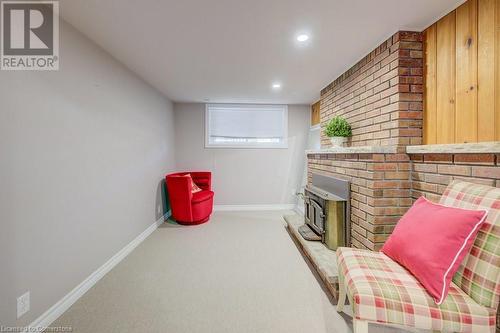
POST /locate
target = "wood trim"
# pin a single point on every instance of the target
(315, 114)
(430, 84)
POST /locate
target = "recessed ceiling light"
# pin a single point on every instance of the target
(302, 37)
(276, 85)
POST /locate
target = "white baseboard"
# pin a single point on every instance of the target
(232, 208)
(46, 319)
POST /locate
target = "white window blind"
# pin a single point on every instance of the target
(246, 126)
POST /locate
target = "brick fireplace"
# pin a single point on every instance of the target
(380, 191)
(381, 97)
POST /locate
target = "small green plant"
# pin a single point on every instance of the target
(338, 126)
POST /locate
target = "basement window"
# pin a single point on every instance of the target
(246, 126)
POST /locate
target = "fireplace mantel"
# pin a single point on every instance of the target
(354, 150)
(461, 148)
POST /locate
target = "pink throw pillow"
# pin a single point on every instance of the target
(431, 241)
(194, 187)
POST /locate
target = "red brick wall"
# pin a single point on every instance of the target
(380, 191)
(431, 173)
(380, 96)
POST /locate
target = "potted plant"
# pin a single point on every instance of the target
(338, 130)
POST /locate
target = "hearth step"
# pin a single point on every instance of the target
(323, 259)
(308, 234)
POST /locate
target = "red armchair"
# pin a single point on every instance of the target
(190, 208)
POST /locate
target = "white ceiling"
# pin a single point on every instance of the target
(233, 50)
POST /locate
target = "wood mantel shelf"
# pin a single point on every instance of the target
(460, 148)
(354, 150)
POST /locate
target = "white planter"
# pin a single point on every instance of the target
(338, 141)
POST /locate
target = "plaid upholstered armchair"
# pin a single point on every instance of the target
(381, 291)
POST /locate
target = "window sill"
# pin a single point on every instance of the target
(246, 146)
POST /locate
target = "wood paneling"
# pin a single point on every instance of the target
(466, 73)
(430, 99)
(445, 79)
(315, 114)
(462, 92)
(497, 71)
(486, 76)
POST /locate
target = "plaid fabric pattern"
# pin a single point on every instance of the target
(479, 274)
(382, 291)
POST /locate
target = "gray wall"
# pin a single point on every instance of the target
(243, 176)
(82, 153)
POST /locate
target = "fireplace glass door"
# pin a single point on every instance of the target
(315, 216)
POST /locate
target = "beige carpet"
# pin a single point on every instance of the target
(241, 272)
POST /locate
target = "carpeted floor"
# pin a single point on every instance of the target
(241, 272)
